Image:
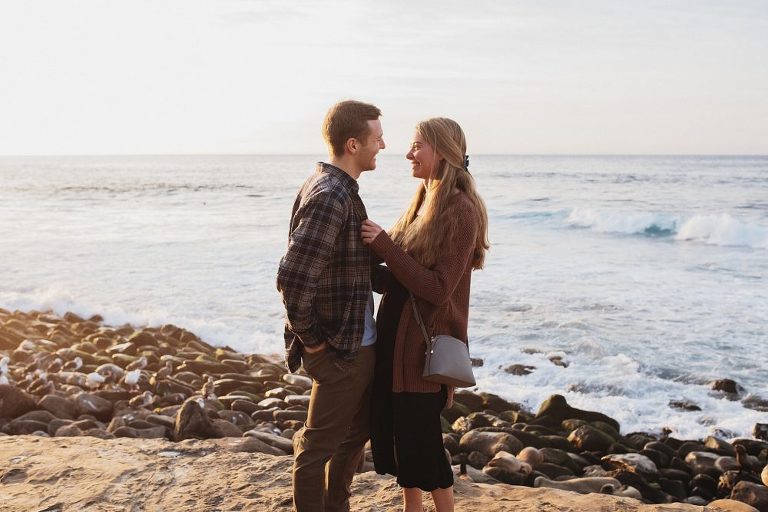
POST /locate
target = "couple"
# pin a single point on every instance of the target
(366, 374)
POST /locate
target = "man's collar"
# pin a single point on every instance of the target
(345, 178)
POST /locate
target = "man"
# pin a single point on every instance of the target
(325, 282)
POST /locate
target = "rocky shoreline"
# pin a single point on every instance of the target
(65, 376)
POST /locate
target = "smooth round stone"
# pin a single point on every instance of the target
(298, 380)
(302, 400)
(634, 462)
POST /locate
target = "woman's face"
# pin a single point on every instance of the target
(424, 159)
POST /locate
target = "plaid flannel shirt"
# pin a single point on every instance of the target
(325, 277)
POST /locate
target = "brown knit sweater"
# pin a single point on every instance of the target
(442, 296)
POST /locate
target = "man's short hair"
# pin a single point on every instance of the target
(345, 120)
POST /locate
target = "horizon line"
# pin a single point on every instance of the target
(66, 155)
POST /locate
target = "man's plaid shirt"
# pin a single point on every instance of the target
(324, 277)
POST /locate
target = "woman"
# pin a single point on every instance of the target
(430, 252)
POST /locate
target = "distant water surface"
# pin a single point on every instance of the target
(647, 275)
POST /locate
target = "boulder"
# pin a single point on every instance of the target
(531, 456)
(473, 421)
(506, 468)
(498, 404)
(519, 369)
(471, 401)
(728, 505)
(752, 494)
(58, 406)
(590, 439)
(703, 462)
(20, 427)
(14, 402)
(227, 428)
(477, 460)
(193, 422)
(633, 462)
(727, 386)
(281, 443)
(489, 443)
(298, 380)
(555, 410)
(580, 485)
(88, 403)
(254, 445)
(719, 446)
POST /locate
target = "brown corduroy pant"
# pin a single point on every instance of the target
(329, 447)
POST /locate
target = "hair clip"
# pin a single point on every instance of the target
(466, 162)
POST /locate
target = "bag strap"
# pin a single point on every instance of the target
(419, 321)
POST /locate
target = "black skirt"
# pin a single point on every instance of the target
(406, 433)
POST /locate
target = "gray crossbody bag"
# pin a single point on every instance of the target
(447, 358)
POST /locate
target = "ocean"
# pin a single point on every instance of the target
(646, 276)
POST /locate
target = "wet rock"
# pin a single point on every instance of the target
(719, 446)
(20, 427)
(752, 494)
(674, 488)
(519, 369)
(290, 415)
(498, 404)
(253, 445)
(727, 386)
(579, 485)
(760, 431)
(587, 438)
(278, 442)
(756, 403)
(703, 485)
(683, 405)
(298, 380)
(87, 403)
(476, 362)
(58, 406)
(451, 444)
(243, 405)
(227, 428)
(302, 400)
(531, 456)
(193, 422)
(506, 468)
(489, 443)
(145, 433)
(633, 462)
(477, 460)
(14, 402)
(455, 411)
(689, 446)
(268, 403)
(40, 416)
(702, 462)
(471, 401)
(473, 421)
(729, 505)
(555, 409)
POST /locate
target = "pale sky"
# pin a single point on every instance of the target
(256, 76)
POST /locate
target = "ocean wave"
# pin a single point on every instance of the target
(722, 229)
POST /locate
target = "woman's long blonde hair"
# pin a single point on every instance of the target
(426, 236)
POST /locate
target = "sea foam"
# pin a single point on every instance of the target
(722, 229)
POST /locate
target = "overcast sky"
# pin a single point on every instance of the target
(256, 76)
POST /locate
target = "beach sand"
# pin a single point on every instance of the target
(86, 473)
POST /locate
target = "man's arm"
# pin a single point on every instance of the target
(310, 248)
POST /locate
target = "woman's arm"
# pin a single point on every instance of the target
(436, 284)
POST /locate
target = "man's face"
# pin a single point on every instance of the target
(374, 142)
